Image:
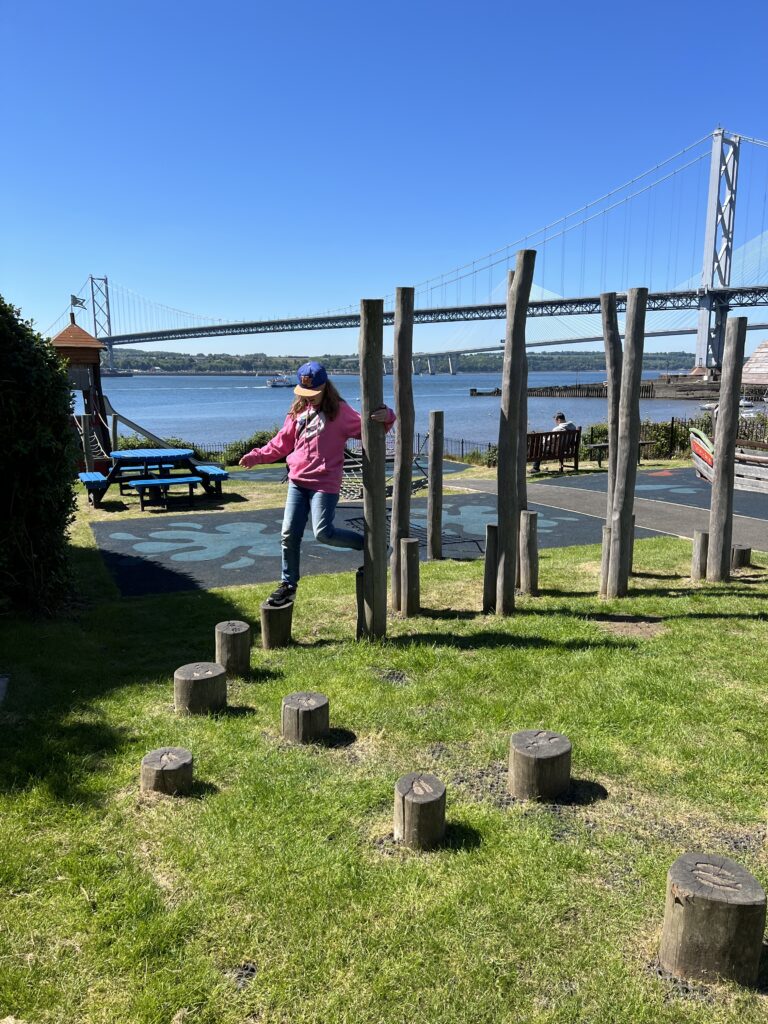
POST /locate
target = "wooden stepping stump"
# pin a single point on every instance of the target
(200, 688)
(167, 770)
(233, 647)
(305, 717)
(741, 556)
(276, 625)
(713, 920)
(419, 811)
(539, 765)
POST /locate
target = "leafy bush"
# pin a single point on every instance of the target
(40, 458)
(235, 450)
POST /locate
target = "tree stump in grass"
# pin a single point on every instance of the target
(741, 556)
(699, 557)
(276, 622)
(713, 920)
(305, 717)
(539, 765)
(233, 647)
(200, 688)
(419, 811)
(167, 770)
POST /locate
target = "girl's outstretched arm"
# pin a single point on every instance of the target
(282, 444)
(353, 423)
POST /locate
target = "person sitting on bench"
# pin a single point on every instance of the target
(561, 423)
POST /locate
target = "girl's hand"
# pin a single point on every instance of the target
(248, 460)
(380, 415)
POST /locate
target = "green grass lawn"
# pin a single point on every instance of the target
(118, 907)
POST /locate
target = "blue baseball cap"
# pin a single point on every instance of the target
(311, 379)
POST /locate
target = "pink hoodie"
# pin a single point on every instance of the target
(314, 447)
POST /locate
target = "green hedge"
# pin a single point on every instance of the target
(40, 453)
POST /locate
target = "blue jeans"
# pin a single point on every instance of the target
(298, 505)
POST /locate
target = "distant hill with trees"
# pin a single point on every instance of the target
(258, 362)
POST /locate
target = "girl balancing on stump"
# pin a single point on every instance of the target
(312, 440)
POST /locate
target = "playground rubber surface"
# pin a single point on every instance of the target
(162, 554)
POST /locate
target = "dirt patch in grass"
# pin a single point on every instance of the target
(642, 627)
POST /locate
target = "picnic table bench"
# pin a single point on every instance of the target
(601, 449)
(150, 469)
(555, 446)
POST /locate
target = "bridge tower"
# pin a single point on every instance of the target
(718, 248)
(102, 321)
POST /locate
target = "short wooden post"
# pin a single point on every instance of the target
(374, 467)
(699, 558)
(305, 717)
(410, 586)
(85, 420)
(400, 525)
(713, 920)
(276, 623)
(721, 499)
(167, 770)
(605, 560)
(529, 553)
(491, 568)
(199, 688)
(741, 556)
(435, 491)
(113, 432)
(419, 811)
(626, 455)
(233, 646)
(539, 765)
(518, 293)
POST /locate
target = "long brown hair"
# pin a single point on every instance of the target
(329, 403)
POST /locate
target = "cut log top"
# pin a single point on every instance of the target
(304, 700)
(167, 758)
(540, 743)
(232, 627)
(704, 876)
(199, 670)
(420, 787)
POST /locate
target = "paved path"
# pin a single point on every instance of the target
(680, 504)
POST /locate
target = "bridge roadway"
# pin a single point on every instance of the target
(729, 298)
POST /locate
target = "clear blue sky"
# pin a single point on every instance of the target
(246, 160)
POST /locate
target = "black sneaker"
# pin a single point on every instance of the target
(284, 594)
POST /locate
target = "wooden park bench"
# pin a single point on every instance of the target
(162, 484)
(555, 446)
(601, 449)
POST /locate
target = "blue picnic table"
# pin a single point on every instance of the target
(150, 471)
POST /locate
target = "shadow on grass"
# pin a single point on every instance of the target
(235, 711)
(484, 641)
(583, 792)
(459, 836)
(200, 790)
(448, 613)
(338, 738)
(56, 734)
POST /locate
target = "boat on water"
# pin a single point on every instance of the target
(106, 372)
(282, 381)
(744, 403)
(751, 463)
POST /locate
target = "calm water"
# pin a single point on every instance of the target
(210, 410)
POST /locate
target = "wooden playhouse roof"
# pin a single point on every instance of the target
(756, 367)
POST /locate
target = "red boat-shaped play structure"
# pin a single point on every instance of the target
(750, 467)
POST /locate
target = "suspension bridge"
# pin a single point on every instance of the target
(672, 229)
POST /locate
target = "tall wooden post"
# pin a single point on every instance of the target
(435, 491)
(628, 437)
(518, 292)
(403, 381)
(522, 466)
(374, 467)
(721, 501)
(612, 342)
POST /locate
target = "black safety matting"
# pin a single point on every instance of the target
(160, 554)
(678, 486)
